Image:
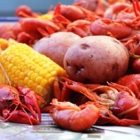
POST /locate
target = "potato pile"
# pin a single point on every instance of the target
(91, 59)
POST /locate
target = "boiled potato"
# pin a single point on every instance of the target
(56, 45)
(96, 59)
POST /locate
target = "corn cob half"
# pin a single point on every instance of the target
(25, 67)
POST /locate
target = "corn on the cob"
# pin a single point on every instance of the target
(26, 67)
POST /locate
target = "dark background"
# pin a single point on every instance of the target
(7, 7)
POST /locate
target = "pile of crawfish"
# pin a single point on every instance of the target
(117, 19)
(19, 105)
(77, 106)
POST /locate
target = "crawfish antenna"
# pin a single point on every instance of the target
(3, 70)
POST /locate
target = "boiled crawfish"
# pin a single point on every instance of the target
(19, 105)
(25, 11)
(28, 30)
(119, 10)
(118, 105)
(132, 81)
(74, 12)
(72, 117)
(111, 28)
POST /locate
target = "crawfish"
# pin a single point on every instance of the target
(74, 12)
(117, 104)
(97, 6)
(88, 4)
(132, 81)
(79, 27)
(112, 28)
(25, 11)
(6, 32)
(28, 30)
(38, 28)
(73, 117)
(114, 10)
(17, 103)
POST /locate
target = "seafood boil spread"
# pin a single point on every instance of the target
(79, 63)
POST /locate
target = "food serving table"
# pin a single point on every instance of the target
(47, 130)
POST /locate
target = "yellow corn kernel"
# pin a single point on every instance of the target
(20, 63)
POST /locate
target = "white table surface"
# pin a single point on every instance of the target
(49, 131)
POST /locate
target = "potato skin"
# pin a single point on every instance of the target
(56, 45)
(96, 59)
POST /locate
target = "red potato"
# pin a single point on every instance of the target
(56, 45)
(96, 59)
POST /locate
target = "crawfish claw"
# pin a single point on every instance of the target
(31, 101)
